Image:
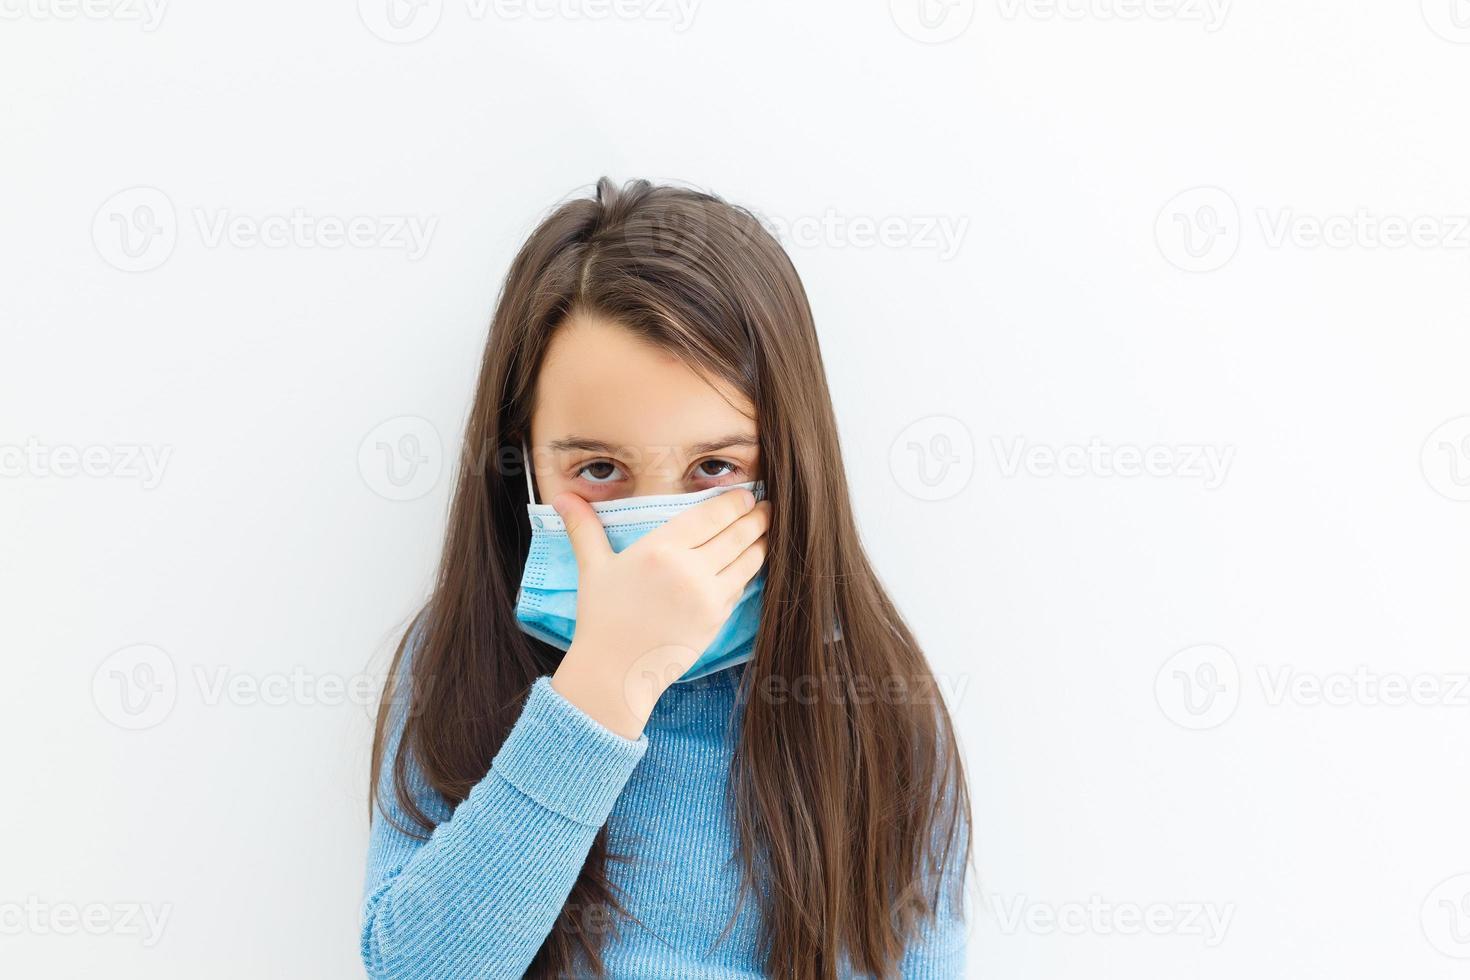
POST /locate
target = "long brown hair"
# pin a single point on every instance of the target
(847, 805)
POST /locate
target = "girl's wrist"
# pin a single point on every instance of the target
(599, 693)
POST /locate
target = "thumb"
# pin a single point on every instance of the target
(589, 539)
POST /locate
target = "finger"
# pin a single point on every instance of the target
(739, 572)
(726, 546)
(703, 521)
(589, 538)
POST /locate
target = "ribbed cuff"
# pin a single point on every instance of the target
(565, 761)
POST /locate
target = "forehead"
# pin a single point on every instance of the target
(598, 380)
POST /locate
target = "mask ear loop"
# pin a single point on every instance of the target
(526, 465)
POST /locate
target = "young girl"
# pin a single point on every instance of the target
(658, 718)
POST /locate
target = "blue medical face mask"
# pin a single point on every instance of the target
(546, 606)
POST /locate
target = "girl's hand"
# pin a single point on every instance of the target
(646, 614)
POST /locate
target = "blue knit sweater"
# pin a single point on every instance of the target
(481, 894)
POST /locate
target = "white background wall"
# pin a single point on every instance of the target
(1136, 662)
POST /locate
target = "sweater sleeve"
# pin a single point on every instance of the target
(939, 953)
(480, 895)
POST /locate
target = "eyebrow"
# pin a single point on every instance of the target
(582, 443)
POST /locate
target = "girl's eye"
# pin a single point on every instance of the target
(598, 471)
(715, 468)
